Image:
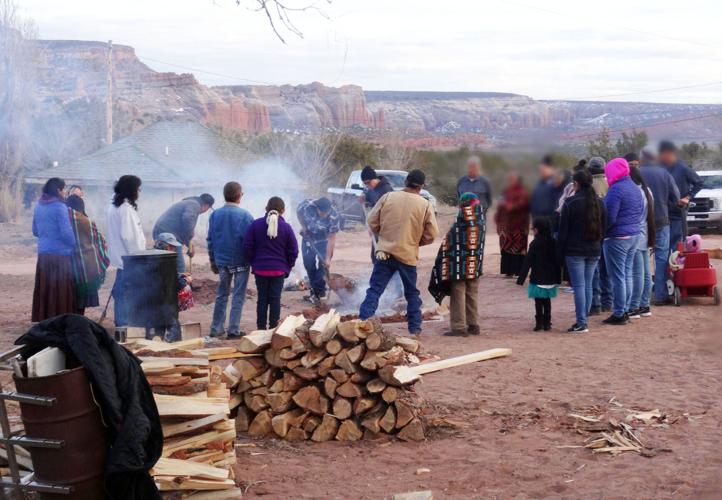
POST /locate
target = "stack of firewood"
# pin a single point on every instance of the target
(194, 405)
(324, 380)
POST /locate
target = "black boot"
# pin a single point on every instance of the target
(539, 323)
(547, 321)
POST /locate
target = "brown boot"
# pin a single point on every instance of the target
(456, 333)
(474, 330)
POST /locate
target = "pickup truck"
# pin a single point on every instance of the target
(705, 209)
(346, 200)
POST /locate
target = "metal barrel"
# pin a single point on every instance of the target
(151, 291)
(76, 420)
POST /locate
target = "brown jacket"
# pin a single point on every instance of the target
(404, 221)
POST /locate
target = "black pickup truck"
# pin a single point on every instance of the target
(347, 201)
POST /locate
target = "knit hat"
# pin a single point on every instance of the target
(648, 152)
(667, 146)
(469, 200)
(596, 165)
(615, 170)
(368, 174)
(630, 157)
(323, 204)
(416, 179)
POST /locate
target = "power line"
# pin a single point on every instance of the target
(642, 126)
(236, 78)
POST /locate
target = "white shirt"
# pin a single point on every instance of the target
(124, 233)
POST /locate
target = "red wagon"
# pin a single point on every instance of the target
(697, 279)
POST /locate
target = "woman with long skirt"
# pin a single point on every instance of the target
(512, 225)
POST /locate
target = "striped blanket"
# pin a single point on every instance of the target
(90, 259)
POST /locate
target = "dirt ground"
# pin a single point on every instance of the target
(507, 433)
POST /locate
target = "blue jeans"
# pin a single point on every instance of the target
(642, 287)
(240, 282)
(313, 262)
(661, 262)
(676, 233)
(380, 277)
(120, 303)
(581, 272)
(268, 307)
(619, 258)
(601, 288)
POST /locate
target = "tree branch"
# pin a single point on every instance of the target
(279, 14)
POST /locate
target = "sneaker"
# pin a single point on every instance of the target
(455, 333)
(538, 327)
(547, 327)
(236, 335)
(577, 328)
(595, 311)
(218, 335)
(634, 314)
(644, 312)
(474, 330)
(616, 320)
(312, 298)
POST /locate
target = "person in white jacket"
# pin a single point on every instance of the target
(125, 236)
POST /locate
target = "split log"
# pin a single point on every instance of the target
(309, 398)
(282, 423)
(255, 402)
(293, 363)
(283, 335)
(306, 373)
(261, 425)
(255, 341)
(325, 366)
(243, 386)
(243, 420)
(349, 431)
(372, 421)
(273, 358)
(250, 368)
(333, 346)
(361, 377)
(313, 357)
(355, 354)
(280, 402)
(324, 328)
(363, 405)
(309, 425)
(339, 375)
(388, 421)
(408, 344)
(329, 387)
(287, 354)
(277, 386)
(390, 394)
(291, 382)
(296, 434)
(380, 340)
(367, 327)
(218, 391)
(374, 386)
(413, 431)
(342, 408)
(342, 361)
(327, 430)
(349, 390)
(404, 413)
(267, 377)
(347, 331)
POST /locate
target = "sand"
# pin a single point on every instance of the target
(507, 433)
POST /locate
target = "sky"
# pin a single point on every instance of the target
(622, 50)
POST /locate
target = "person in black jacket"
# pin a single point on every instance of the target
(581, 229)
(546, 273)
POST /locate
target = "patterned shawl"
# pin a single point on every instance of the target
(90, 259)
(461, 255)
(512, 219)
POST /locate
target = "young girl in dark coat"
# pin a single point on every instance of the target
(541, 260)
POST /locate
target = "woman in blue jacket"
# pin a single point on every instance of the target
(54, 289)
(625, 206)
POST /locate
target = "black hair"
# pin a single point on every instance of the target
(667, 146)
(206, 199)
(548, 160)
(127, 188)
(76, 203)
(275, 203)
(323, 204)
(593, 211)
(54, 187)
(630, 157)
(581, 165)
(636, 176)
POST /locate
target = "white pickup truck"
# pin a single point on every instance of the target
(347, 201)
(705, 209)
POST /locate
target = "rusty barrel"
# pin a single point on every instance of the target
(75, 419)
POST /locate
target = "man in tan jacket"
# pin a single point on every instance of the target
(403, 221)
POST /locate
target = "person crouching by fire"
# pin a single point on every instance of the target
(403, 221)
(172, 332)
(125, 235)
(319, 226)
(54, 292)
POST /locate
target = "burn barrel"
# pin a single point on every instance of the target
(75, 419)
(151, 279)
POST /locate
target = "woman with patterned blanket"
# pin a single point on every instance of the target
(459, 265)
(512, 225)
(90, 258)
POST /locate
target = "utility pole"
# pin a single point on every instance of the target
(109, 96)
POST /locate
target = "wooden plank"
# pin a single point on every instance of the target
(191, 425)
(176, 361)
(235, 355)
(233, 494)
(407, 374)
(190, 406)
(167, 346)
(173, 445)
(175, 467)
(169, 483)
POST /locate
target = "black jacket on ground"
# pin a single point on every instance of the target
(541, 259)
(125, 398)
(572, 229)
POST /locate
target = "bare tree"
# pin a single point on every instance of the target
(396, 155)
(17, 63)
(279, 14)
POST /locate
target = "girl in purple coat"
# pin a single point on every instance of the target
(271, 249)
